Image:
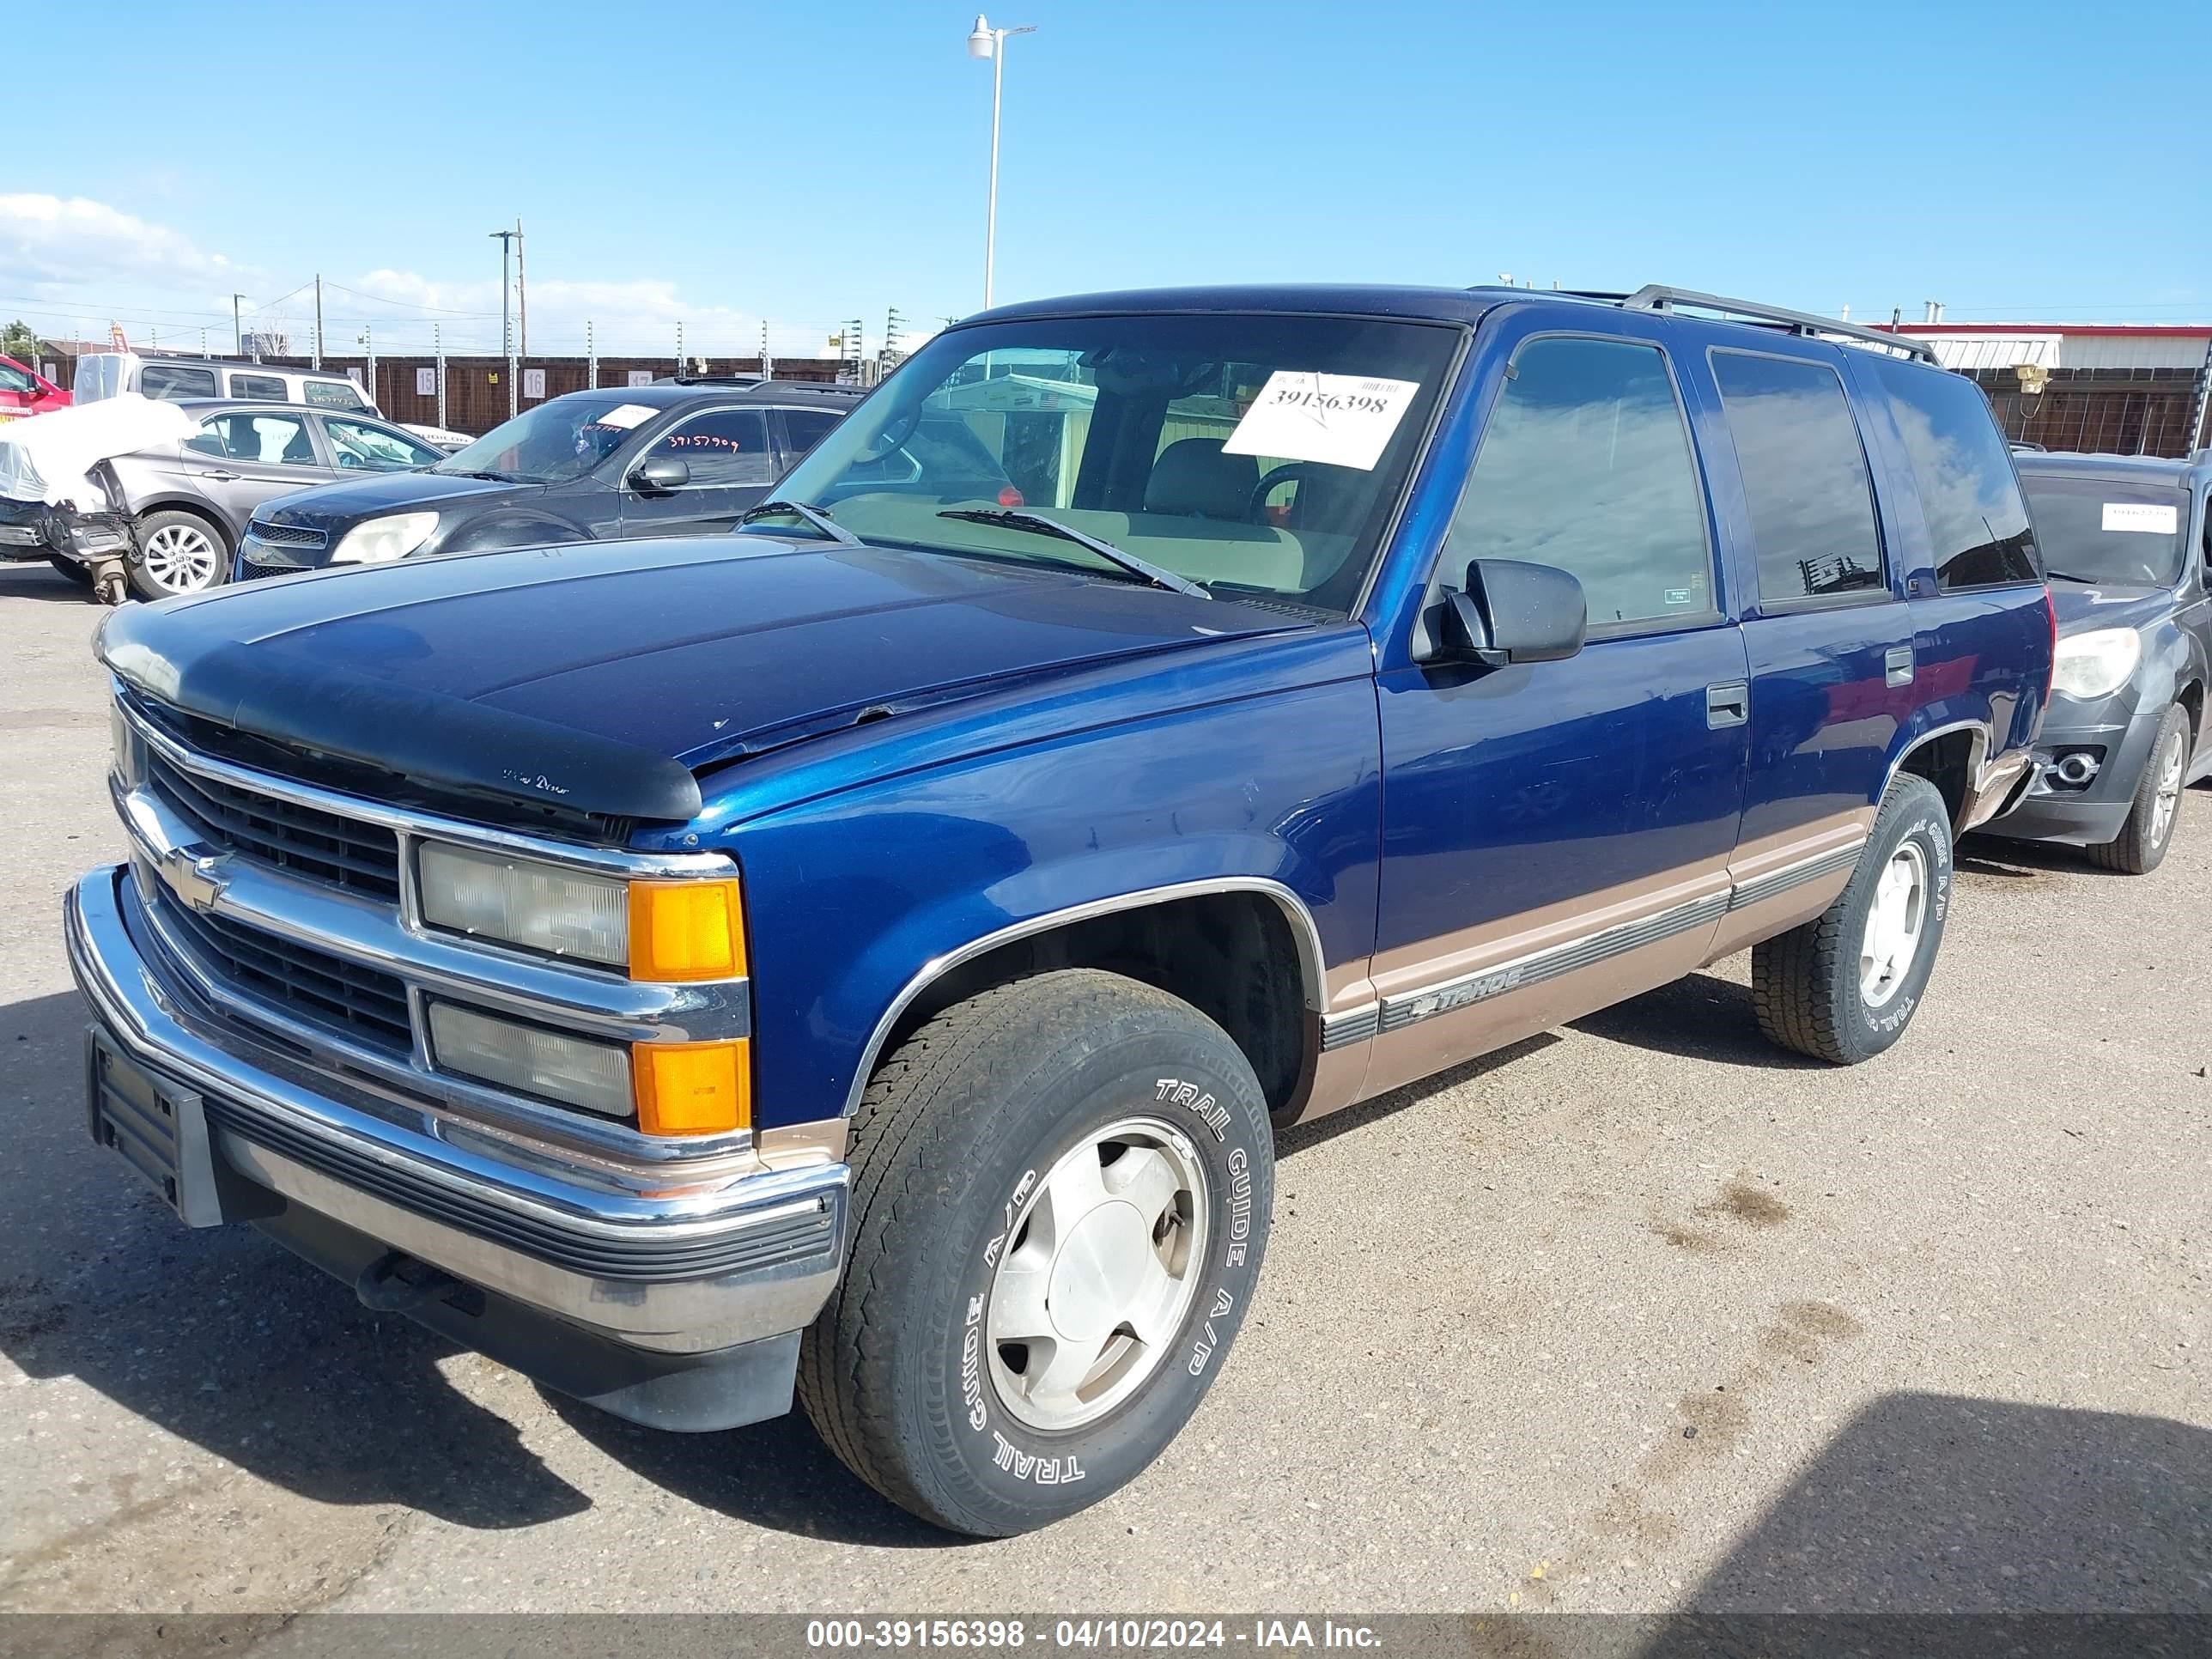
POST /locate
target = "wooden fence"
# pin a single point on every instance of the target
(476, 387)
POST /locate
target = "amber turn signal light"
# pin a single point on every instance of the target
(686, 930)
(692, 1088)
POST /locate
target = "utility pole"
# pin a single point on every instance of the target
(591, 357)
(2197, 434)
(368, 342)
(521, 290)
(318, 320)
(506, 330)
(237, 328)
(679, 348)
(768, 363)
(891, 322)
(438, 346)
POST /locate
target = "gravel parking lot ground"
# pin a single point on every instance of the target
(1642, 1315)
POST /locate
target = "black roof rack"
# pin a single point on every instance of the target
(710, 380)
(1655, 297)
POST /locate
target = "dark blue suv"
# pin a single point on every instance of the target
(872, 953)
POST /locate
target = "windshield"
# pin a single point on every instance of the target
(2099, 530)
(553, 442)
(1255, 454)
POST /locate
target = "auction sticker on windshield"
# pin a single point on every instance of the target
(2144, 518)
(626, 416)
(1342, 420)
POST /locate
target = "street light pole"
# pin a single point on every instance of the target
(984, 41)
(238, 329)
(506, 330)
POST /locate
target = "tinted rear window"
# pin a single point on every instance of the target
(1804, 476)
(1977, 523)
(174, 381)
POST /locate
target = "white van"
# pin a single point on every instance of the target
(175, 380)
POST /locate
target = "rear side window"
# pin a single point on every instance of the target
(266, 386)
(1977, 523)
(174, 380)
(1586, 465)
(802, 429)
(1804, 477)
(332, 394)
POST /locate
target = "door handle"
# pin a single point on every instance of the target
(222, 477)
(1897, 665)
(1728, 704)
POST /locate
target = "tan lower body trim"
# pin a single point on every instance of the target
(1434, 1004)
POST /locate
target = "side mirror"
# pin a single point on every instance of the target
(657, 474)
(1508, 612)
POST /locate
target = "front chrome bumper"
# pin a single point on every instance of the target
(686, 1272)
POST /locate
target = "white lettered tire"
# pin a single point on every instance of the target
(1844, 986)
(1061, 1190)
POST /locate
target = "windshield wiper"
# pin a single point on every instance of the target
(1106, 551)
(813, 515)
(492, 477)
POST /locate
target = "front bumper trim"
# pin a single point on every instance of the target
(685, 1273)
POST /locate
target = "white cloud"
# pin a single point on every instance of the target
(51, 245)
(625, 318)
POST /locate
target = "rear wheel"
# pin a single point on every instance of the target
(178, 553)
(1843, 987)
(1060, 1193)
(2140, 847)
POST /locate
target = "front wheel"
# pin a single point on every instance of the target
(1843, 987)
(1061, 1196)
(2140, 847)
(178, 553)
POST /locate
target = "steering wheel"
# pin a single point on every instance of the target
(1256, 506)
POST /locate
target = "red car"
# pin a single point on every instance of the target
(24, 391)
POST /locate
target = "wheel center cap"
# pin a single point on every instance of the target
(1098, 1272)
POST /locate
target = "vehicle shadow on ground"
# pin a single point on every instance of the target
(220, 1337)
(1306, 1136)
(40, 582)
(1942, 1505)
(2024, 860)
(1699, 1017)
(777, 1475)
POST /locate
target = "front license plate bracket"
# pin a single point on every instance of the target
(160, 1126)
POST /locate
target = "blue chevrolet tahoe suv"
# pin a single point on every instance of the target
(869, 954)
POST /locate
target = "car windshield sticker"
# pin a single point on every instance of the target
(1342, 420)
(625, 416)
(2144, 518)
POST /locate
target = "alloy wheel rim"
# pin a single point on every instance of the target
(2167, 801)
(1895, 923)
(1101, 1265)
(179, 559)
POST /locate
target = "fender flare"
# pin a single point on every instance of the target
(1305, 935)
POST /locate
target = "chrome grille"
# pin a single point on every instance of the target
(363, 1003)
(287, 535)
(363, 858)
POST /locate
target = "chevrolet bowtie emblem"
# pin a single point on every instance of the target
(195, 877)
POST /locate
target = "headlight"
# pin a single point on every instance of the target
(572, 1070)
(659, 931)
(2097, 664)
(539, 907)
(381, 540)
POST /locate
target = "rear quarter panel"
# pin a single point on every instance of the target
(1981, 657)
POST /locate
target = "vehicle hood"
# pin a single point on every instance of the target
(351, 500)
(598, 676)
(2083, 606)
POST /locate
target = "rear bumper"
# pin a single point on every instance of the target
(680, 1311)
(2094, 813)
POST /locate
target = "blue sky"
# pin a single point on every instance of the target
(723, 163)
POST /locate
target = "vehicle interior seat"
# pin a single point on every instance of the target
(298, 451)
(1194, 478)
